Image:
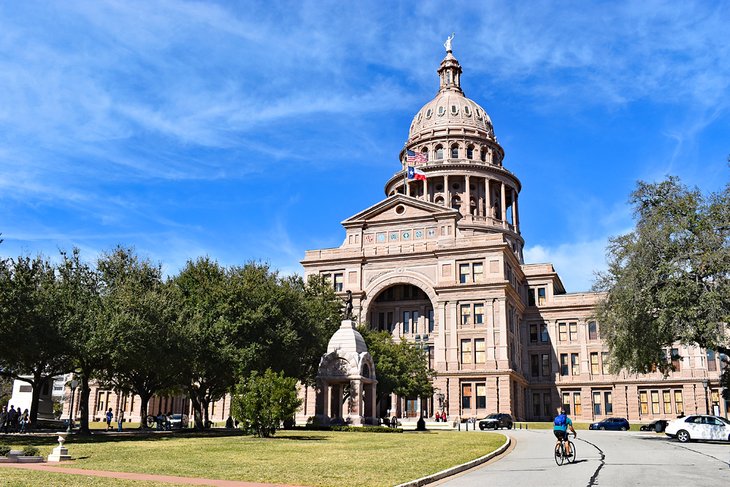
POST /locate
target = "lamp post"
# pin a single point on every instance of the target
(74, 384)
(705, 383)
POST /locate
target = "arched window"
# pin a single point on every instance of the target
(439, 152)
(454, 151)
(456, 203)
(470, 152)
(424, 151)
(439, 200)
(484, 155)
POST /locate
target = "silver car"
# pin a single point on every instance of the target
(699, 427)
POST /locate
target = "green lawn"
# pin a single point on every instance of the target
(16, 477)
(291, 457)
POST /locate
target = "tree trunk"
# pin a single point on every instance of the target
(197, 409)
(204, 403)
(84, 405)
(144, 399)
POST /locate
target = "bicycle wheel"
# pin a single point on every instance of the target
(571, 457)
(559, 454)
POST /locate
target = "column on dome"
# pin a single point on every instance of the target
(425, 190)
(447, 192)
(503, 202)
(488, 199)
(468, 195)
(514, 209)
(516, 215)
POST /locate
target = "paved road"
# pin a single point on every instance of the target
(605, 458)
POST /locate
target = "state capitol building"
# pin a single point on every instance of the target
(439, 262)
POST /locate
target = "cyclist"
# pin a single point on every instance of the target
(561, 424)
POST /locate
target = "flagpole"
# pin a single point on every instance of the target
(405, 173)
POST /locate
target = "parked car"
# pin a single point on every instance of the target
(658, 425)
(699, 427)
(178, 421)
(617, 424)
(496, 420)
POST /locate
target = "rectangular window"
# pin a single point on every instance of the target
(676, 359)
(531, 296)
(654, 402)
(481, 396)
(406, 322)
(667, 400)
(594, 363)
(563, 332)
(465, 314)
(546, 405)
(573, 331)
(415, 321)
(480, 352)
(390, 321)
(608, 403)
(541, 296)
(643, 402)
(466, 351)
(545, 365)
(533, 332)
(339, 282)
(466, 396)
(711, 364)
(566, 402)
(574, 364)
(478, 271)
(592, 330)
(578, 405)
(431, 322)
(544, 333)
(597, 403)
(535, 365)
(564, 364)
(478, 314)
(604, 363)
(463, 273)
(536, 404)
(678, 402)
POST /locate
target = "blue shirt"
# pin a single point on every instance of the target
(564, 427)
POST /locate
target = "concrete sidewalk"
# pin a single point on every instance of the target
(167, 479)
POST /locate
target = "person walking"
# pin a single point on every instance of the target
(120, 420)
(4, 419)
(24, 421)
(13, 419)
(109, 416)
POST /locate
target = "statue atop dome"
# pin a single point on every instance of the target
(447, 44)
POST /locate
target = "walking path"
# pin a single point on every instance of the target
(168, 479)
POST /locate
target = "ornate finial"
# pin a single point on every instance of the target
(447, 44)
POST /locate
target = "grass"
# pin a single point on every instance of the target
(16, 477)
(291, 457)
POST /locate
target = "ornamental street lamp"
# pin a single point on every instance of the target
(74, 383)
(705, 383)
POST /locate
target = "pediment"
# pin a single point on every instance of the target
(401, 208)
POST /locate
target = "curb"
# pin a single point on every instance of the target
(459, 468)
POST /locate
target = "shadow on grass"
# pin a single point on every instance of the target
(300, 438)
(108, 437)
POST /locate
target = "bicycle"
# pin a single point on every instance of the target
(561, 455)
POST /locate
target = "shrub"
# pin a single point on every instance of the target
(4, 450)
(354, 429)
(263, 402)
(30, 451)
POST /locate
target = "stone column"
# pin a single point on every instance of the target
(515, 212)
(441, 355)
(468, 195)
(425, 189)
(453, 346)
(488, 198)
(408, 188)
(503, 202)
(447, 192)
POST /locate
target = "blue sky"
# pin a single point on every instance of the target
(246, 131)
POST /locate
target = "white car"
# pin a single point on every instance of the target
(699, 427)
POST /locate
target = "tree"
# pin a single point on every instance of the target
(668, 280)
(143, 342)
(34, 347)
(400, 366)
(201, 296)
(263, 402)
(6, 390)
(80, 301)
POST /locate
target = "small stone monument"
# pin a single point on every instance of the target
(60, 453)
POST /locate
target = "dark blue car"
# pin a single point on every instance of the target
(616, 424)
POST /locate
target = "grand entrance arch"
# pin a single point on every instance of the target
(403, 304)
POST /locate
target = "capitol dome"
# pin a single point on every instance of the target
(450, 109)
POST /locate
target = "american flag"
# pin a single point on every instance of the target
(415, 157)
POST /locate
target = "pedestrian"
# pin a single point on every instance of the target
(4, 419)
(168, 421)
(120, 420)
(24, 421)
(13, 419)
(109, 416)
(229, 422)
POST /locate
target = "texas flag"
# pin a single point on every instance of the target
(414, 173)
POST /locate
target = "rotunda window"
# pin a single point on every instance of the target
(454, 151)
(424, 151)
(456, 202)
(470, 152)
(439, 200)
(400, 209)
(439, 152)
(467, 111)
(441, 111)
(454, 110)
(429, 112)
(479, 114)
(484, 155)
